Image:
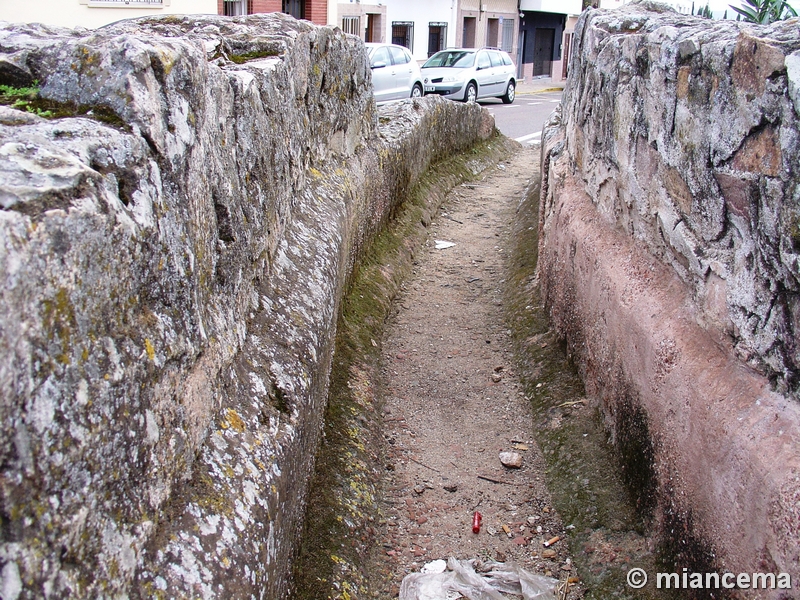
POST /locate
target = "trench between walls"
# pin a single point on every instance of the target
(600, 488)
(338, 551)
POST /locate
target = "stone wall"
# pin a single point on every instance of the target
(669, 260)
(172, 266)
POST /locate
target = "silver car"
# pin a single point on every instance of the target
(395, 73)
(469, 74)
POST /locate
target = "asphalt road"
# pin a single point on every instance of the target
(523, 120)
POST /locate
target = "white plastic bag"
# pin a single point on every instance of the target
(461, 579)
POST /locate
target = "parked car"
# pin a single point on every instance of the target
(469, 74)
(395, 74)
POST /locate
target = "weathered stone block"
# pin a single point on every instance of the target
(170, 287)
(697, 109)
(677, 288)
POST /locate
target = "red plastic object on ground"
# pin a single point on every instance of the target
(476, 522)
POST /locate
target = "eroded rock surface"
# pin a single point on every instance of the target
(687, 136)
(171, 281)
(669, 259)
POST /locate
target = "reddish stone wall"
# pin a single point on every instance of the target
(670, 262)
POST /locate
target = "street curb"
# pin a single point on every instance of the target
(542, 91)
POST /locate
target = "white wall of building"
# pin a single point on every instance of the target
(421, 13)
(566, 7)
(96, 13)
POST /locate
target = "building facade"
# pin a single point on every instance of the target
(96, 13)
(424, 27)
(493, 23)
(315, 11)
(366, 20)
(545, 37)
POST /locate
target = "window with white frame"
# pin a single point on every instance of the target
(296, 8)
(234, 8)
(507, 42)
(352, 25)
(403, 34)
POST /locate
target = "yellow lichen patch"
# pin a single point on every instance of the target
(315, 173)
(151, 352)
(167, 61)
(234, 421)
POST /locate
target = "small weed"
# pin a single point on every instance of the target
(29, 100)
(23, 98)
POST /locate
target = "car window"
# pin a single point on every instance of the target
(497, 59)
(483, 60)
(451, 58)
(506, 59)
(381, 55)
(398, 55)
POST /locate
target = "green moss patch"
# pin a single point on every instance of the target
(29, 100)
(585, 472)
(243, 58)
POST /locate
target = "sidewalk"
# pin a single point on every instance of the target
(539, 85)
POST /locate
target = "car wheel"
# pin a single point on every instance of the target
(416, 91)
(511, 92)
(471, 95)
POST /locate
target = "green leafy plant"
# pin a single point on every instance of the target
(765, 11)
(9, 94)
(23, 98)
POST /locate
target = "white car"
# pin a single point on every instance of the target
(395, 73)
(469, 74)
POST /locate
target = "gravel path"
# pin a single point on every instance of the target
(453, 402)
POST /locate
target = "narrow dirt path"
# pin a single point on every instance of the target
(453, 402)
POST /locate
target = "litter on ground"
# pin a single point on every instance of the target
(461, 580)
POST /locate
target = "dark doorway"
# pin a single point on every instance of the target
(296, 8)
(469, 32)
(369, 34)
(437, 37)
(543, 51)
(492, 33)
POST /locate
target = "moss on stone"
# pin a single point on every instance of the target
(247, 56)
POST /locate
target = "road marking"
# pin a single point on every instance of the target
(534, 103)
(530, 137)
(559, 100)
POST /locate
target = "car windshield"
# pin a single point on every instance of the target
(451, 58)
